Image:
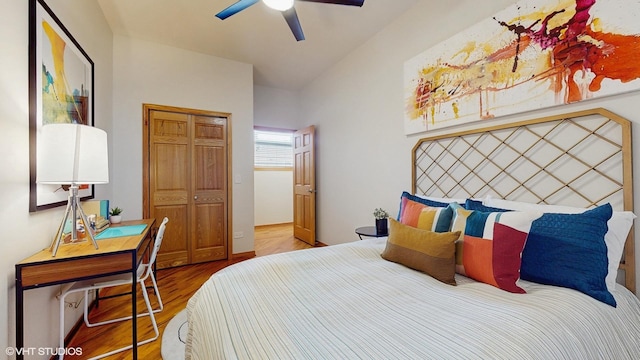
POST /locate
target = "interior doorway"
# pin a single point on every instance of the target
(284, 180)
(273, 176)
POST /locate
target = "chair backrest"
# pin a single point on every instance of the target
(156, 245)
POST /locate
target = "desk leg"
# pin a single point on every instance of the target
(134, 309)
(19, 315)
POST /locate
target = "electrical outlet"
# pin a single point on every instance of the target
(238, 234)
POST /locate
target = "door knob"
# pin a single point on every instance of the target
(195, 197)
(311, 191)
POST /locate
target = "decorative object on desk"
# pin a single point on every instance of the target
(72, 154)
(114, 215)
(100, 210)
(381, 216)
(61, 83)
(98, 207)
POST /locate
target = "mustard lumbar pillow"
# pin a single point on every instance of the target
(433, 253)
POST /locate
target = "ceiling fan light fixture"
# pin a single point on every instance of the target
(280, 5)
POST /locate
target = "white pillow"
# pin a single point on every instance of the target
(615, 238)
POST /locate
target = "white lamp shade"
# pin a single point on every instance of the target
(280, 5)
(72, 154)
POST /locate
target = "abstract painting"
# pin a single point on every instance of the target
(60, 91)
(534, 54)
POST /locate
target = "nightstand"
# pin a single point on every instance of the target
(369, 231)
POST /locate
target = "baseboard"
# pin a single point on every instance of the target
(243, 255)
(269, 225)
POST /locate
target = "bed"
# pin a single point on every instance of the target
(365, 299)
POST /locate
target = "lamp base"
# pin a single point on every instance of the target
(73, 208)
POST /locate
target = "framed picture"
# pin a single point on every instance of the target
(534, 54)
(61, 87)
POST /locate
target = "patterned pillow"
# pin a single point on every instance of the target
(619, 226)
(572, 250)
(490, 247)
(406, 196)
(425, 217)
(569, 250)
(426, 251)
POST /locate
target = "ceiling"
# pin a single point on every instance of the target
(257, 35)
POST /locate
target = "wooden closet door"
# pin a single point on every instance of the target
(209, 184)
(188, 182)
(169, 183)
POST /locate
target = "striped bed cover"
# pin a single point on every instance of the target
(346, 302)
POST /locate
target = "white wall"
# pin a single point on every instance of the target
(276, 108)
(145, 72)
(273, 197)
(24, 233)
(364, 159)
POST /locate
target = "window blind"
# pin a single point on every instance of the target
(273, 148)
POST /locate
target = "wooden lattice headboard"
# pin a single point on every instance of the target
(580, 159)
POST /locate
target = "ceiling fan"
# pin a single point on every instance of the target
(287, 9)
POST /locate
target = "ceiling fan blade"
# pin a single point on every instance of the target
(235, 8)
(338, 2)
(292, 19)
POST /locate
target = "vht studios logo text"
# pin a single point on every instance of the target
(43, 351)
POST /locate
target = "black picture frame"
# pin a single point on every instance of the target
(61, 90)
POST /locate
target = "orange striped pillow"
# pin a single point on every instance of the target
(425, 217)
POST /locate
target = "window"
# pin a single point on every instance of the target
(273, 148)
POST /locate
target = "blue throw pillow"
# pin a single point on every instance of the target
(471, 204)
(568, 250)
(419, 200)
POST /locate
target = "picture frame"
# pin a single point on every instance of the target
(61, 90)
(534, 54)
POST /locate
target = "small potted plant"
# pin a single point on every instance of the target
(381, 216)
(114, 215)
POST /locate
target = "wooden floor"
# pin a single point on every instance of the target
(176, 286)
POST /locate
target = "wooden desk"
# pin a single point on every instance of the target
(82, 261)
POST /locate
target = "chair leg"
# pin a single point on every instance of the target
(85, 314)
(150, 310)
(155, 289)
(111, 321)
(153, 322)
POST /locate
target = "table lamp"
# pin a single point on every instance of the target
(72, 154)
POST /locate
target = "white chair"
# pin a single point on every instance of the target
(145, 271)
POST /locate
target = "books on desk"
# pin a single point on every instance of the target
(101, 224)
